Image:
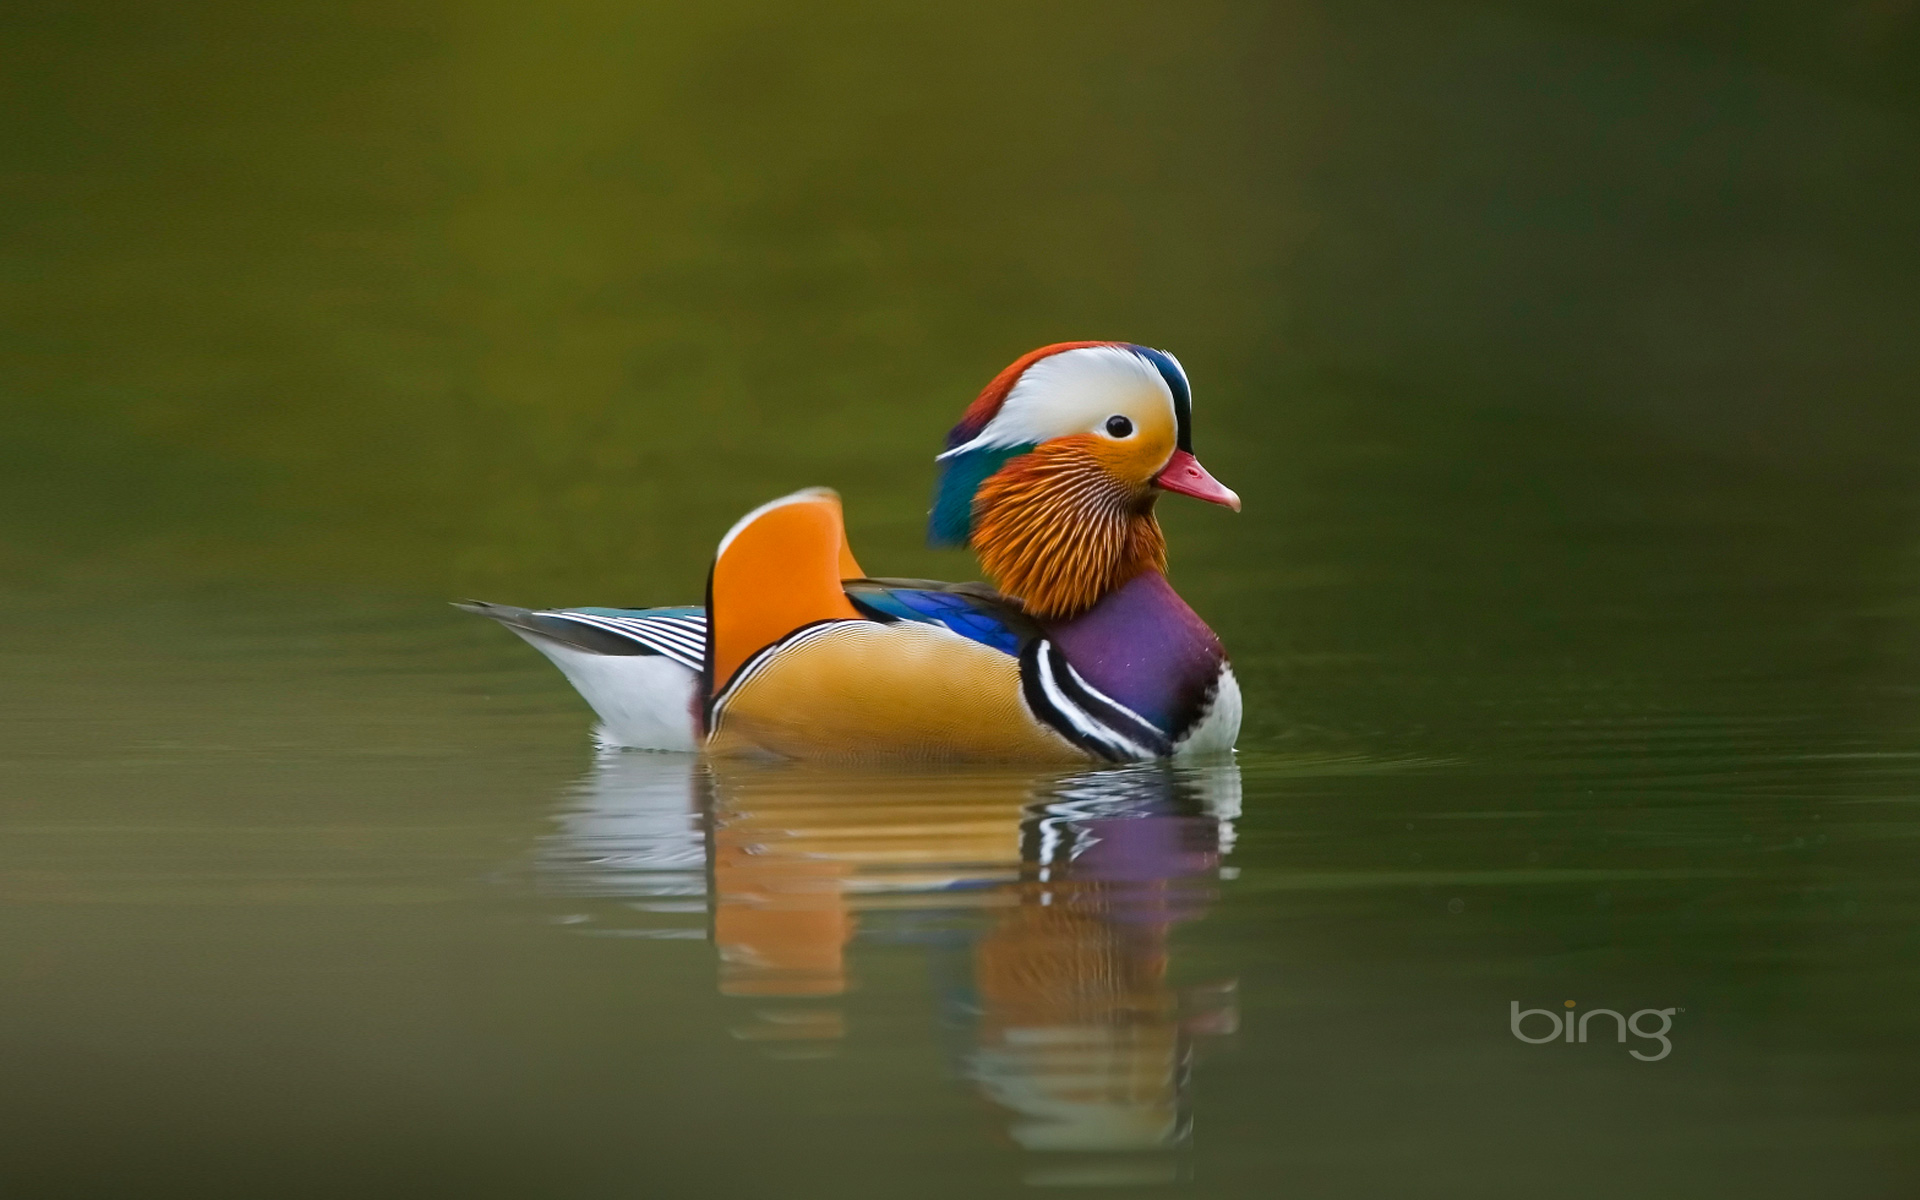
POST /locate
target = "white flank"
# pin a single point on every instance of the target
(1219, 729)
(645, 701)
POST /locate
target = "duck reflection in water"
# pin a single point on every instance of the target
(1045, 902)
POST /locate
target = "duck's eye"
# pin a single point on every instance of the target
(1119, 427)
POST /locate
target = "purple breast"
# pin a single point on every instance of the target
(1142, 646)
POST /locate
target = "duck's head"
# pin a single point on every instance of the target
(1052, 474)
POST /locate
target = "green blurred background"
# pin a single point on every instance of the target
(531, 301)
(1566, 355)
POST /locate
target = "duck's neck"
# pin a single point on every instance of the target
(1057, 532)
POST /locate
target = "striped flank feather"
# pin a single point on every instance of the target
(679, 634)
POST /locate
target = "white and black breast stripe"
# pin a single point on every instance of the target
(682, 639)
(1081, 713)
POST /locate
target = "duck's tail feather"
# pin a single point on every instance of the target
(673, 634)
(638, 668)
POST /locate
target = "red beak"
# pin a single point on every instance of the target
(1184, 474)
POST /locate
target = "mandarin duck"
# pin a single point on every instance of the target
(1084, 652)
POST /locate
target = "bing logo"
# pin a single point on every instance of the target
(1564, 1027)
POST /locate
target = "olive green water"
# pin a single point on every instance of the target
(1565, 356)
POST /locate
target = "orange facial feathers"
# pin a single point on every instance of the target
(1059, 527)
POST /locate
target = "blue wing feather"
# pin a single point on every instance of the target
(989, 620)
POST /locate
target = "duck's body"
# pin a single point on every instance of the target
(963, 678)
(799, 654)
